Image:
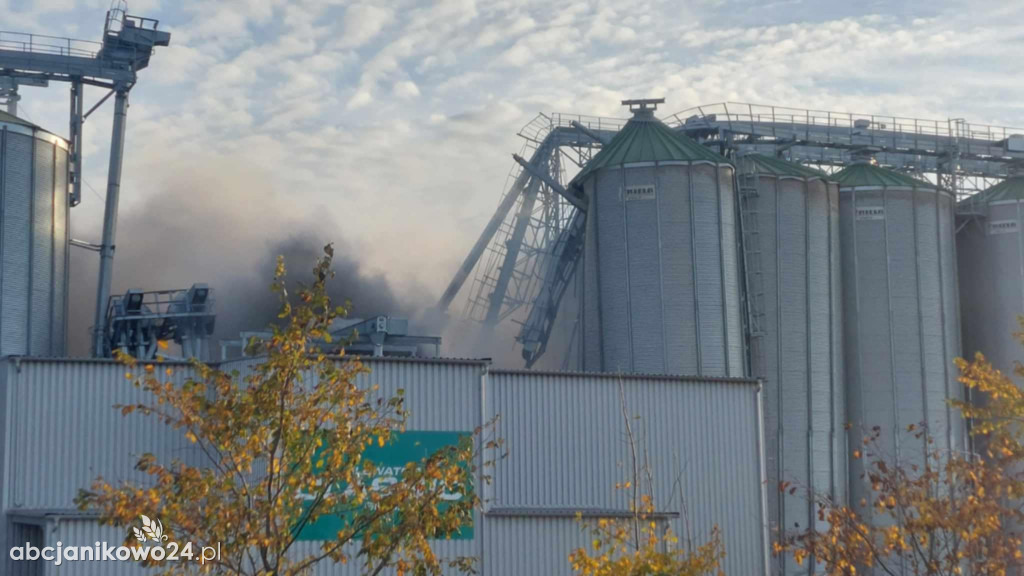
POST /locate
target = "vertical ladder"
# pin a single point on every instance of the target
(750, 251)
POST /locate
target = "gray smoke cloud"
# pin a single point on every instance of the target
(225, 227)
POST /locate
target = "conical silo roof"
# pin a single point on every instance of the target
(774, 166)
(1010, 189)
(646, 139)
(864, 175)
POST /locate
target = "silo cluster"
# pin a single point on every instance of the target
(847, 282)
(34, 239)
(661, 273)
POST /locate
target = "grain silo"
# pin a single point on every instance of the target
(991, 258)
(661, 288)
(34, 239)
(791, 216)
(901, 320)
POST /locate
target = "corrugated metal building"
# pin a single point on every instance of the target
(791, 216)
(564, 433)
(902, 327)
(661, 277)
(34, 214)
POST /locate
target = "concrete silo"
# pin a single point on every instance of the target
(791, 214)
(34, 239)
(661, 280)
(901, 320)
(991, 258)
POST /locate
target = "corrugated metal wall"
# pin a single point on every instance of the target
(901, 320)
(34, 240)
(800, 353)
(991, 266)
(662, 294)
(62, 430)
(563, 433)
(567, 449)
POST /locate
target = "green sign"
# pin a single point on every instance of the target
(390, 461)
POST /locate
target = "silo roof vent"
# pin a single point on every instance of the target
(643, 108)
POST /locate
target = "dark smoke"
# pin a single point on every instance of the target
(225, 228)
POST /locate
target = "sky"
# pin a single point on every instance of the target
(388, 127)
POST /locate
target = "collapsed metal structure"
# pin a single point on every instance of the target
(524, 260)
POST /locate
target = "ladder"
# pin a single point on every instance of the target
(750, 250)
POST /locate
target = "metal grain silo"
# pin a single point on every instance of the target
(33, 239)
(791, 214)
(661, 291)
(901, 320)
(991, 258)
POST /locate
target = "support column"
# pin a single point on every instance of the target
(75, 138)
(110, 216)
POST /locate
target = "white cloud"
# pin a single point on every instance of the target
(405, 90)
(362, 23)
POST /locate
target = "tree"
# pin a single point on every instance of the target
(955, 514)
(283, 449)
(638, 544)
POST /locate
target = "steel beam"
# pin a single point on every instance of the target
(577, 201)
(514, 244)
(110, 216)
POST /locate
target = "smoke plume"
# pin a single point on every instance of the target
(225, 227)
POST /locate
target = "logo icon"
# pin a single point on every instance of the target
(151, 530)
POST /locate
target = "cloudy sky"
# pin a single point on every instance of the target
(387, 126)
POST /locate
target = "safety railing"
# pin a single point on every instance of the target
(41, 44)
(740, 116)
(561, 120)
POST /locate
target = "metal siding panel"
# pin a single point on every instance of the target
(708, 267)
(41, 299)
(612, 281)
(69, 404)
(680, 322)
(570, 454)
(18, 535)
(14, 284)
(60, 253)
(591, 332)
(730, 267)
(644, 269)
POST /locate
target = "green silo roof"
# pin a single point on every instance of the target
(768, 165)
(864, 175)
(1010, 189)
(646, 139)
(11, 119)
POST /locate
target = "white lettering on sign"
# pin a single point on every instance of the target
(871, 213)
(638, 192)
(1002, 227)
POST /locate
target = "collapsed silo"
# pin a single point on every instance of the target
(660, 266)
(901, 320)
(991, 257)
(34, 239)
(791, 220)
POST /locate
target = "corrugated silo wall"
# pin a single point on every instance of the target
(991, 257)
(901, 323)
(34, 242)
(662, 291)
(563, 431)
(799, 355)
